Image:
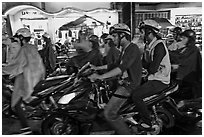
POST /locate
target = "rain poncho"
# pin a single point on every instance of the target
(28, 70)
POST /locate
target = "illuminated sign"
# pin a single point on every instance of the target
(31, 14)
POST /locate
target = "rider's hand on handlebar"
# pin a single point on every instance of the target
(94, 77)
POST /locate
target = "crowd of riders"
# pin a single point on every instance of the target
(113, 54)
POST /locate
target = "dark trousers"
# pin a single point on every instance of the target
(149, 88)
(21, 114)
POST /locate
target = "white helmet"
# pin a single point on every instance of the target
(118, 28)
(24, 32)
(150, 24)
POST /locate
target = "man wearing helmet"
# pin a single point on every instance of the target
(156, 61)
(28, 70)
(129, 68)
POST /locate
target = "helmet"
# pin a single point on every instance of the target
(177, 30)
(94, 38)
(189, 34)
(24, 32)
(120, 28)
(46, 35)
(109, 37)
(150, 24)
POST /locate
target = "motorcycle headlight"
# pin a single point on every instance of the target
(67, 98)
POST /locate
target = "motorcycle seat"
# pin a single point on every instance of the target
(172, 87)
(51, 81)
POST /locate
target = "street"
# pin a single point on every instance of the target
(12, 126)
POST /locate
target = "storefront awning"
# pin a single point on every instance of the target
(78, 22)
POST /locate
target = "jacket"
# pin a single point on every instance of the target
(28, 70)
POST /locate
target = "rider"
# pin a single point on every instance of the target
(111, 53)
(189, 63)
(28, 70)
(48, 54)
(156, 61)
(130, 64)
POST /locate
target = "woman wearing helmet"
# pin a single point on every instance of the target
(129, 69)
(28, 70)
(156, 61)
(90, 53)
(188, 63)
(48, 54)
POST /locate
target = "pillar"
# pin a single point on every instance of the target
(128, 16)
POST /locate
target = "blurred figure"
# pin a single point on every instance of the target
(5, 48)
(28, 70)
(188, 64)
(88, 51)
(14, 48)
(139, 41)
(176, 33)
(58, 45)
(111, 53)
(177, 38)
(38, 42)
(102, 42)
(48, 54)
(169, 40)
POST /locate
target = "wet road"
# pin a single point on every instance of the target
(10, 126)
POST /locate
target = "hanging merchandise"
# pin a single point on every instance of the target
(70, 33)
(60, 34)
(193, 22)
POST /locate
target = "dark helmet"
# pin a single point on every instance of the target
(190, 34)
(95, 41)
(177, 30)
(94, 38)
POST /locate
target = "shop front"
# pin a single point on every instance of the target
(39, 21)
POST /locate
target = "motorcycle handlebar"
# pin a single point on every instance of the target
(84, 67)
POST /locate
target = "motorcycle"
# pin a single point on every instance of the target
(45, 95)
(184, 106)
(81, 109)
